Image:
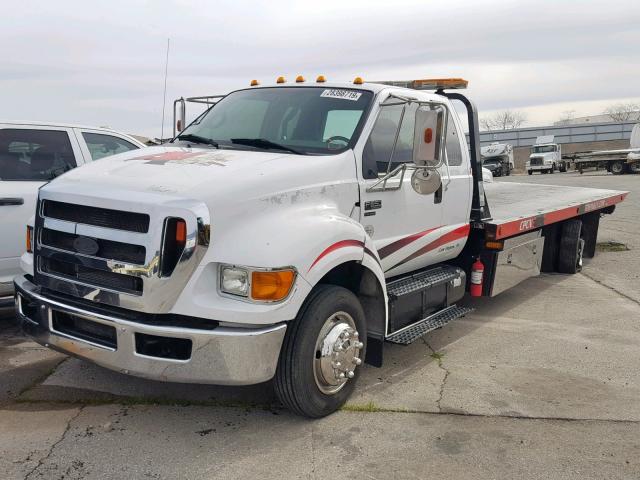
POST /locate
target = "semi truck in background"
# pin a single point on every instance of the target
(546, 156)
(287, 234)
(617, 162)
(498, 158)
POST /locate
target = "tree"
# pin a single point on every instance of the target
(503, 120)
(567, 117)
(623, 112)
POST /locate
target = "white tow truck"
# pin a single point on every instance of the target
(546, 156)
(498, 158)
(288, 233)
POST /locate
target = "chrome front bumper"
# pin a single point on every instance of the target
(223, 355)
(6, 294)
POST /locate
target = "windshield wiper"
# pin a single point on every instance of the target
(264, 144)
(190, 137)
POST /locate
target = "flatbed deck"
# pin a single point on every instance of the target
(520, 207)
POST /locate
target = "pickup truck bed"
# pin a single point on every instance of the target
(519, 207)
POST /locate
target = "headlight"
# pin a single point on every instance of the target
(234, 281)
(260, 285)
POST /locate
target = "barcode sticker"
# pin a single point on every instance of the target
(343, 94)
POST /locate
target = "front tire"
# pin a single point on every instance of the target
(322, 349)
(530, 172)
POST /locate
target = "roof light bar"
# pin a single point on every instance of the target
(429, 83)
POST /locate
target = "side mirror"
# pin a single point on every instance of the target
(428, 136)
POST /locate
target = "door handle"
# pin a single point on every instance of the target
(11, 201)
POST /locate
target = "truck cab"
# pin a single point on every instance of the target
(545, 157)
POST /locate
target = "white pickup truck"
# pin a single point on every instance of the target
(287, 234)
(31, 154)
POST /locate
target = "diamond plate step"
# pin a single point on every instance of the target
(411, 333)
(422, 281)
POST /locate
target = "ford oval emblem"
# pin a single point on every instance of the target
(86, 245)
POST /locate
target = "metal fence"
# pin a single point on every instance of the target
(524, 137)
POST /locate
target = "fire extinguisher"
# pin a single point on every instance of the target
(477, 272)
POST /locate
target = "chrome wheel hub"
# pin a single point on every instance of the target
(337, 353)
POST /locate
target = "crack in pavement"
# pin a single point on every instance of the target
(55, 444)
(438, 358)
(599, 282)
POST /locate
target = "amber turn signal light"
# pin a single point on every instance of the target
(271, 286)
(29, 239)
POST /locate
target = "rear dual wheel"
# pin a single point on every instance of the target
(618, 167)
(322, 349)
(571, 247)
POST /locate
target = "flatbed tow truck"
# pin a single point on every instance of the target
(618, 162)
(286, 234)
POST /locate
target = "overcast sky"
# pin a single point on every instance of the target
(102, 63)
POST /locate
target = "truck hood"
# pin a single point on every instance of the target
(204, 173)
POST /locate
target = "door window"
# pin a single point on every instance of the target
(379, 147)
(454, 152)
(34, 155)
(101, 145)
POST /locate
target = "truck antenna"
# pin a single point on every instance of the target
(164, 98)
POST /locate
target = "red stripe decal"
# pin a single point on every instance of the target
(336, 246)
(460, 232)
(403, 242)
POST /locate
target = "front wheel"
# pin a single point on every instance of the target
(530, 172)
(322, 349)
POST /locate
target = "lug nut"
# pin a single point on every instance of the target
(357, 361)
(359, 345)
(341, 376)
(356, 334)
(350, 374)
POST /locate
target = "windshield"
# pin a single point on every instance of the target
(491, 160)
(305, 120)
(544, 149)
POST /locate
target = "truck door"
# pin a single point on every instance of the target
(404, 225)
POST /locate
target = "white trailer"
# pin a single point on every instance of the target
(618, 162)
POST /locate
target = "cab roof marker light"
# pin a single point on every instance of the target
(321, 79)
(299, 79)
(281, 80)
(254, 83)
(358, 81)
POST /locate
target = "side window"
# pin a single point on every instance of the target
(454, 152)
(379, 146)
(34, 155)
(101, 145)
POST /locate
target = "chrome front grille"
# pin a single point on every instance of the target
(535, 161)
(99, 217)
(90, 276)
(102, 248)
(113, 255)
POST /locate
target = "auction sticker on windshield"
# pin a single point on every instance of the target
(344, 94)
